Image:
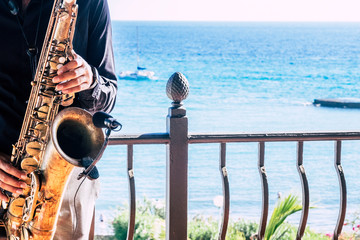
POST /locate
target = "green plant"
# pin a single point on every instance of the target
(291, 232)
(149, 222)
(97, 237)
(283, 209)
(150, 225)
(247, 228)
(234, 234)
(200, 228)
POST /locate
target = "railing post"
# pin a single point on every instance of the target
(177, 90)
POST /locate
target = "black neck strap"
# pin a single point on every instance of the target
(32, 50)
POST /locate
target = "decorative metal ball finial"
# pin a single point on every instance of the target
(177, 87)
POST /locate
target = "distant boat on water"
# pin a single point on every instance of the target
(141, 73)
(338, 102)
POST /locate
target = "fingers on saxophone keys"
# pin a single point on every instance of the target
(12, 188)
(73, 80)
(11, 170)
(10, 183)
(73, 64)
(75, 85)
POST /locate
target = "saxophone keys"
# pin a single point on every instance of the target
(53, 63)
(29, 164)
(16, 207)
(46, 96)
(60, 47)
(14, 153)
(74, 9)
(67, 99)
(40, 131)
(59, 66)
(43, 111)
(31, 201)
(62, 59)
(63, 16)
(27, 189)
(33, 149)
(56, 62)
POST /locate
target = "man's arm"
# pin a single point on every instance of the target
(100, 57)
(93, 78)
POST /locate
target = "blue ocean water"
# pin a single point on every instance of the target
(244, 77)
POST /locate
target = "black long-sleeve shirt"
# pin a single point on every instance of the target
(92, 41)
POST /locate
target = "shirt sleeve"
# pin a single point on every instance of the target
(102, 96)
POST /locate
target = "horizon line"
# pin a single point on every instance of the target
(241, 21)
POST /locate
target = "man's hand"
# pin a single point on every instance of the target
(9, 177)
(74, 76)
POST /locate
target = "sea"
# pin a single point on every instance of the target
(244, 77)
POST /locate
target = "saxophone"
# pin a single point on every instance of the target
(51, 142)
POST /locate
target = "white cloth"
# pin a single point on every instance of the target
(74, 221)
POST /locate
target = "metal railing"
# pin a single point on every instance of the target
(177, 140)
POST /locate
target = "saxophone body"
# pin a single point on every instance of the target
(51, 143)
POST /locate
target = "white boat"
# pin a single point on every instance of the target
(137, 75)
(141, 73)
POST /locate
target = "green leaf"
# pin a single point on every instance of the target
(284, 208)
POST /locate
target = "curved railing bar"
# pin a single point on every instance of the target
(265, 191)
(132, 197)
(226, 193)
(305, 191)
(343, 197)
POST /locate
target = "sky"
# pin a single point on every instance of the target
(236, 10)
